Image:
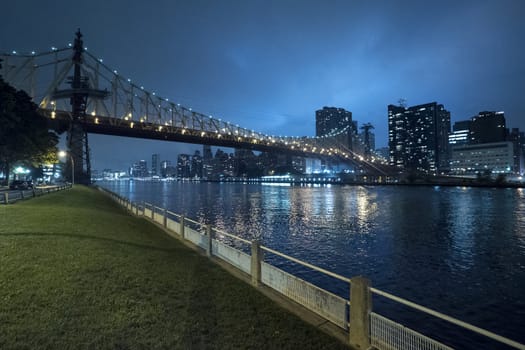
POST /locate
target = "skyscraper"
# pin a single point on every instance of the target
(336, 122)
(418, 137)
(155, 164)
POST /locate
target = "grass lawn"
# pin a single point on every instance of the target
(76, 271)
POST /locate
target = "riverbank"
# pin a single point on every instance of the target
(79, 272)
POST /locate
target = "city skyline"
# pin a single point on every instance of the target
(269, 66)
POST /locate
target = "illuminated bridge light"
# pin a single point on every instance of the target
(203, 134)
(93, 113)
(183, 131)
(160, 128)
(53, 114)
(131, 125)
(96, 120)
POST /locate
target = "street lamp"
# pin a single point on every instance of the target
(63, 154)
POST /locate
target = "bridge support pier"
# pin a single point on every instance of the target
(79, 151)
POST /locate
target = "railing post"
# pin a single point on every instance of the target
(360, 308)
(137, 208)
(257, 257)
(165, 218)
(152, 212)
(6, 198)
(182, 226)
(210, 238)
(34, 193)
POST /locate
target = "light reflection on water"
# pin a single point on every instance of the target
(458, 250)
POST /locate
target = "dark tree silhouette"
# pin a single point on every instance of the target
(24, 135)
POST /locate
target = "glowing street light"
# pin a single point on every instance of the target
(62, 154)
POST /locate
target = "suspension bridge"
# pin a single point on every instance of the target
(77, 92)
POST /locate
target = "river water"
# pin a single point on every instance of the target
(458, 250)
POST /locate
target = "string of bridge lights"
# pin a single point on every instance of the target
(272, 138)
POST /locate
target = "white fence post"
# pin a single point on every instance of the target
(182, 226)
(210, 238)
(257, 257)
(165, 218)
(6, 198)
(360, 308)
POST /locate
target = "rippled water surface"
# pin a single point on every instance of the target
(460, 251)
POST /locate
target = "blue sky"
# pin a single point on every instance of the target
(268, 65)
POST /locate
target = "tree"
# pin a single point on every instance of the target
(24, 135)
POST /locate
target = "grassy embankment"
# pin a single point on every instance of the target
(76, 271)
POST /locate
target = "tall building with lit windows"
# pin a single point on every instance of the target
(418, 137)
(335, 122)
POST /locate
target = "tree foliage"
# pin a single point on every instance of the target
(24, 135)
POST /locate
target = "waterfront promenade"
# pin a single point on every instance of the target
(79, 272)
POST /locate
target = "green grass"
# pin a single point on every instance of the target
(76, 271)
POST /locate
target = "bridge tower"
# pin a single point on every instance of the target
(78, 94)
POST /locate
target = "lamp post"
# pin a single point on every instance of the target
(63, 154)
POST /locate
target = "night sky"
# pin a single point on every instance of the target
(268, 65)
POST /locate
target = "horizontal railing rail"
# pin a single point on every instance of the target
(12, 196)
(373, 324)
(229, 235)
(304, 263)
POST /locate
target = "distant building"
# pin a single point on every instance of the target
(418, 137)
(491, 158)
(183, 166)
(488, 127)
(167, 170)
(488, 131)
(207, 162)
(139, 169)
(155, 165)
(196, 165)
(517, 138)
(337, 123)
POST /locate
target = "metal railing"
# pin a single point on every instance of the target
(386, 334)
(380, 332)
(12, 196)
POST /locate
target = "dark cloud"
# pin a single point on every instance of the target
(268, 65)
